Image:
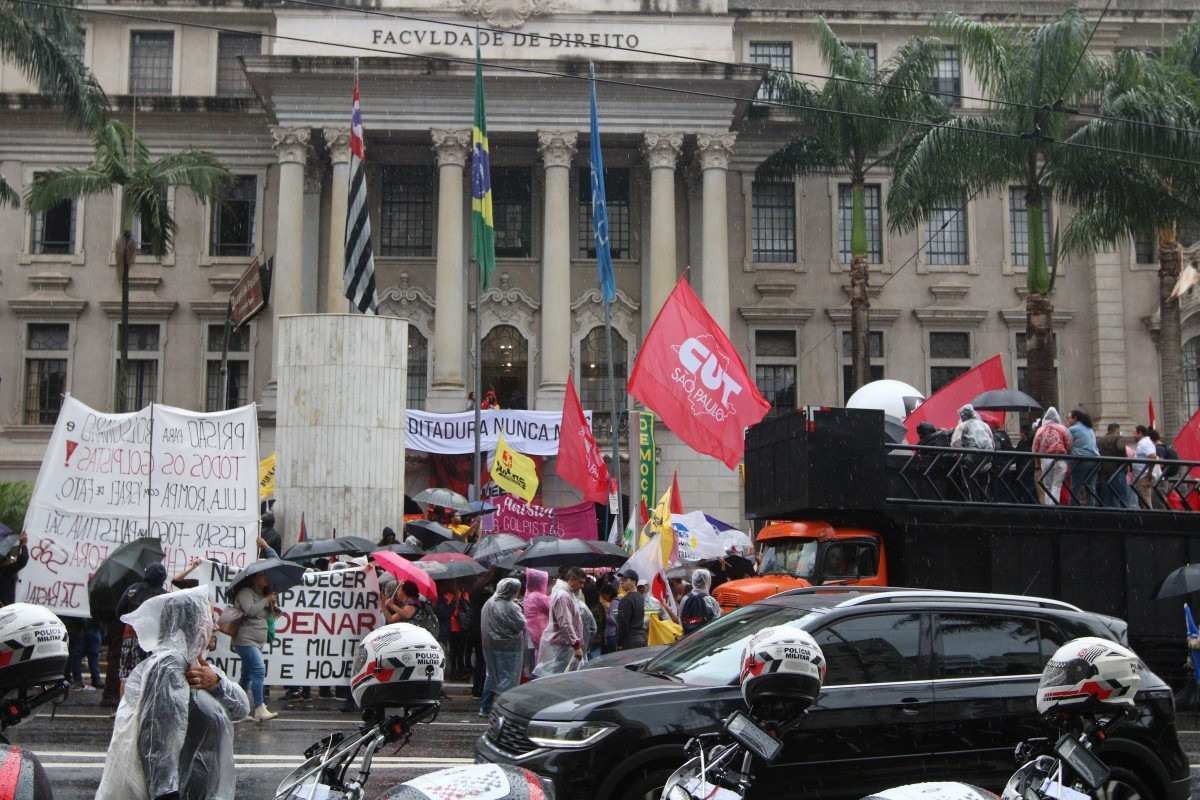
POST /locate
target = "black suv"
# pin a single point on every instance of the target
(922, 685)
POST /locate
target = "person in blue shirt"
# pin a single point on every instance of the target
(1083, 443)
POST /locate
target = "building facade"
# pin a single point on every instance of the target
(267, 89)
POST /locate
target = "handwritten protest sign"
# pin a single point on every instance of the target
(317, 631)
(186, 478)
(527, 520)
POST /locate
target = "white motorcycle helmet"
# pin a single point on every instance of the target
(933, 790)
(1087, 676)
(397, 666)
(783, 669)
(33, 646)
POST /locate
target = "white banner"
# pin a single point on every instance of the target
(317, 632)
(534, 433)
(186, 478)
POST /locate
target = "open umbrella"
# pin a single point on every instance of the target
(1181, 581)
(323, 548)
(118, 572)
(405, 570)
(406, 550)
(450, 566)
(495, 547)
(411, 506)
(428, 532)
(443, 498)
(477, 508)
(1005, 400)
(572, 553)
(282, 575)
(451, 546)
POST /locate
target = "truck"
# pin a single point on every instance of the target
(836, 501)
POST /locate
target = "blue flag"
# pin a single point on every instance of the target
(1192, 630)
(604, 267)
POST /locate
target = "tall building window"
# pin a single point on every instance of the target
(141, 377)
(1145, 247)
(238, 361)
(506, 366)
(151, 62)
(946, 231)
(872, 200)
(512, 207)
(1019, 225)
(875, 361)
(47, 351)
(418, 368)
(406, 218)
(1020, 362)
(775, 357)
(52, 232)
(593, 379)
(617, 196)
(949, 357)
(871, 51)
(775, 55)
(231, 78)
(947, 77)
(233, 215)
(145, 245)
(1191, 374)
(774, 212)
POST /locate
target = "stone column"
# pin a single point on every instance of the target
(338, 142)
(715, 151)
(447, 391)
(661, 149)
(1110, 373)
(287, 284)
(556, 148)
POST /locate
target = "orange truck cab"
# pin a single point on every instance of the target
(792, 555)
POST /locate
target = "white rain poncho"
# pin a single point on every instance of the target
(503, 622)
(971, 431)
(556, 652)
(169, 738)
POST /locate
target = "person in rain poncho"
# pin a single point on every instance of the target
(537, 608)
(502, 623)
(698, 607)
(173, 736)
(973, 472)
(562, 641)
(972, 432)
(151, 585)
(1052, 439)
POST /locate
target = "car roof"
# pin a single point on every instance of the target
(830, 597)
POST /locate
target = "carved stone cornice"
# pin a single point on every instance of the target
(223, 284)
(788, 316)
(506, 296)
(337, 142)
(140, 308)
(840, 315)
(940, 315)
(557, 148)
(49, 299)
(662, 148)
(405, 295)
(593, 297)
(1017, 317)
(290, 144)
(507, 14)
(451, 146)
(715, 149)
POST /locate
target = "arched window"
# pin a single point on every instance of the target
(506, 366)
(593, 378)
(418, 368)
(1191, 374)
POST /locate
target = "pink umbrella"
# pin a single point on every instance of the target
(405, 570)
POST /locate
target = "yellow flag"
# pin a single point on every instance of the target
(660, 522)
(266, 477)
(513, 472)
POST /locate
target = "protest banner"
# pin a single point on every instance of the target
(185, 478)
(534, 433)
(527, 520)
(318, 628)
(647, 463)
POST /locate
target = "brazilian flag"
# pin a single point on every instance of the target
(483, 226)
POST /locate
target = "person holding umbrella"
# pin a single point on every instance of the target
(255, 599)
(151, 585)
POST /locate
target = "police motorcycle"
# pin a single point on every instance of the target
(397, 680)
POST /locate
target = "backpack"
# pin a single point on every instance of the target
(694, 613)
(426, 618)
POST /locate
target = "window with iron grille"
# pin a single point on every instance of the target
(1020, 362)
(1019, 225)
(1188, 233)
(617, 199)
(871, 51)
(775, 55)
(52, 232)
(593, 379)
(1191, 374)
(947, 77)
(151, 62)
(512, 209)
(872, 201)
(946, 231)
(418, 368)
(141, 376)
(238, 362)
(233, 214)
(47, 351)
(875, 361)
(406, 216)
(145, 245)
(775, 361)
(774, 218)
(1145, 247)
(949, 357)
(231, 78)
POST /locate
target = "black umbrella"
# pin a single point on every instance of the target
(451, 546)
(323, 548)
(573, 553)
(893, 429)
(1181, 581)
(428, 532)
(411, 506)
(282, 575)
(122, 569)
(406, 550)
(495, 547)
(1005, 400)
(450, 566)
(477, 508)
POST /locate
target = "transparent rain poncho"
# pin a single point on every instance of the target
(170, 739)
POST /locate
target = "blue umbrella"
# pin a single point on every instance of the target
(1192, 630)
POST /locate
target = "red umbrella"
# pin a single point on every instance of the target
(405, 570)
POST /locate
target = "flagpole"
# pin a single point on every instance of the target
(477, 458)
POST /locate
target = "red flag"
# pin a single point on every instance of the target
(1187, 442)
(690, 374)
(579, 461)
(1151, 417)
(303, 534)
(941, 408)
(676, 497)
(645, 512)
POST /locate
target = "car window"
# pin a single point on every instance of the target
(1052, 638)
(879, 648)
(848, 560)
(986, 645)
(795, 557)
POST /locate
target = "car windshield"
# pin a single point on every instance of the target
(713, 655)
(795, 557)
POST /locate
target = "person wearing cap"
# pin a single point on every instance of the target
(631, 613)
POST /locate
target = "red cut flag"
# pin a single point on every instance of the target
(690, 374)
(676, 497)
(941, 409)
(579, 461)
(1187, 443)
(303, 533)
(1151, 417)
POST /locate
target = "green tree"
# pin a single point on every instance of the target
(862, 122)
(43, 42)
(1122, 197)
(122, 160)
(14, 501)
(1031, 73)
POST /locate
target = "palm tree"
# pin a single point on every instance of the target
(1034, 75)
(43, 41)
(1121, 197)
(121, 159)
(874, 134)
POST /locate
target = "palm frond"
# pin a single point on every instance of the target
(841, 59)
(198, 171)
(985, 48)
(51, 188)
(804, 156)
(8, 195)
